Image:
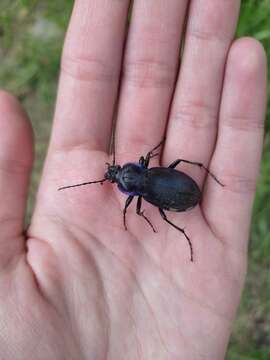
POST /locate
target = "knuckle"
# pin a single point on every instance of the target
(196, 114)
(89, 69)
(239, 184)
(243, 122)
(215, 23)
(11, 166)
(148, 73)
(199, 34)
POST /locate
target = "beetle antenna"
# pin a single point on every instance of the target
(82, 184)
(113, 146)
(113, 154)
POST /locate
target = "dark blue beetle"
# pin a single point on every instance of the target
(163, 187)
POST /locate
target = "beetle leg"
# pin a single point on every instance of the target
(142, 160)
(128, 202)
(176, 162)
(141, 213)
(156, 147)
(164, 217)
(151, 154)
(147, 159)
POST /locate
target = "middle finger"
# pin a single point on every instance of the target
(149, 72)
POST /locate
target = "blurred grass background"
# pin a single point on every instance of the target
(31, 38)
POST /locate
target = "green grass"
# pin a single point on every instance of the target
(31, 38)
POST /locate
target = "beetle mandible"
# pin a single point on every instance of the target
(164, 187)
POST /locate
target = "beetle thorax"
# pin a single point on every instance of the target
(130, 179)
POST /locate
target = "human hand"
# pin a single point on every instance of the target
(78, 286)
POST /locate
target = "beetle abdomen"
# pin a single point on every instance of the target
(170, 189)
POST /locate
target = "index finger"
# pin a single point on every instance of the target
(91, 63)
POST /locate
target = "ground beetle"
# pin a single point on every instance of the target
(163, 187)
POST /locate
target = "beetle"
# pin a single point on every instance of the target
(164, 187)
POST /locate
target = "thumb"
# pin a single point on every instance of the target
(16, 158)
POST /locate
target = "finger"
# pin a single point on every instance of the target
(193, 122)
(239, 144)
(150, 66)
(89, 75)
(16, 157)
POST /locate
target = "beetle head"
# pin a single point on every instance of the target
(112, 173)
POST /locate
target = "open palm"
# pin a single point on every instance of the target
(77, 285)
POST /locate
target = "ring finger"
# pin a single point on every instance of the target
(193, 122)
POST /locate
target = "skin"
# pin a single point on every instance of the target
(76, 285)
